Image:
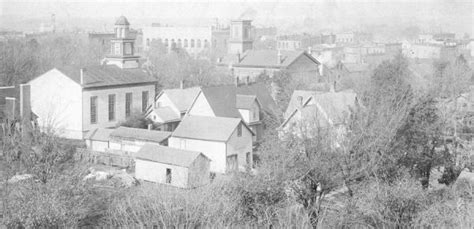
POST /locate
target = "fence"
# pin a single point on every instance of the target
(112, 158)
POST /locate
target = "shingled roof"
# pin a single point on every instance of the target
(107, 75)
(245, 101)
(222, 100)
(262, 92)
(167, 155)
(207, 128)
(99, 134)
(140, 134)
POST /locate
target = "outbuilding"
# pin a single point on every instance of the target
(171, 166)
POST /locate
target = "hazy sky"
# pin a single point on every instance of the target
(455, 15)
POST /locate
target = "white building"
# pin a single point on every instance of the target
(226, 141)
(193, 39)
(179, 168)
(73, 100)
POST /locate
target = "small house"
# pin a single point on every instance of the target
(171, 166)
(226, 141)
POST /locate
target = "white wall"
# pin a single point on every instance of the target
(57, 101)
(240, 146)
(156, 172)
(245, 115)
(103, 108)
(216, 151)
(201, 107)
(100, 146)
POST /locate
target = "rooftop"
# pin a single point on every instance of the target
(222, 100)
(181, 98)
(122, 20)
(166, 114)
(207, 128)
(262, 92)
(107, 75)
(167, 155)
(99, 134)
(265, 58)
(245, 101)
(140, 134)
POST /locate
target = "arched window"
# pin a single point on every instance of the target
(198, 43)
(173, 43)
(206, 44)
(148, 42)
(192, 43)
(185, 43)
(179, 43)
(166, 43)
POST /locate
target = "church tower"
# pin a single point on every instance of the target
(240, 38)
(122, 46)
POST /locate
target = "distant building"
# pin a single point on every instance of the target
(303, 41)
(226, 141)
(353, 37)
(171, 166)
(74, 100)
(256, 62)
(312, 112)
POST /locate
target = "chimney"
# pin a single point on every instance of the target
(181, 84)
(310, 51)
(82, 76)
(238, 57)
(236, 81)
(247, 80)
(10, 103)
(150, 126)
(279, 57)
(25, 103)
(299, 99)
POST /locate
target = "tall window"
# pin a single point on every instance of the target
(128, 104)
(128, 49)
(179, 43)
(206, 44)
(111, 107)
(192, 43)
(239, 130)
(168, 176)
(93, 109)
(117, 49)
(144, 100)
(232, 163)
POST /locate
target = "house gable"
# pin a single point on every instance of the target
(164, 101)
(201, 107)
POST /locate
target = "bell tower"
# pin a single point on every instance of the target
(122, 46)
(240, 36)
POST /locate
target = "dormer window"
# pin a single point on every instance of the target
(239, 130)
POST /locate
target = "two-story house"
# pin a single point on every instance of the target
(170, 105)
(226, 141)
(74, 100)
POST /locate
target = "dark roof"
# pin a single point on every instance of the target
(264, 58)
(293, 104)
(167, 155)
(181, 98)
(99, 134)
(122, 20)
(263, 95)
(140, 134)
(222, 100)
(166, 114)
(207, 128)
(107, 75)
(245, 101)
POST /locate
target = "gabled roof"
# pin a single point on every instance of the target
(140, 134)
(99, 134)
(181, 98)
(265, 58)
(294, 103)
(222, 100)
(207, 128)
(107, 75)
(167, 155)
(269, 58)
(333, 107)
(245, 101)
(166, 114)
(263, 95)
